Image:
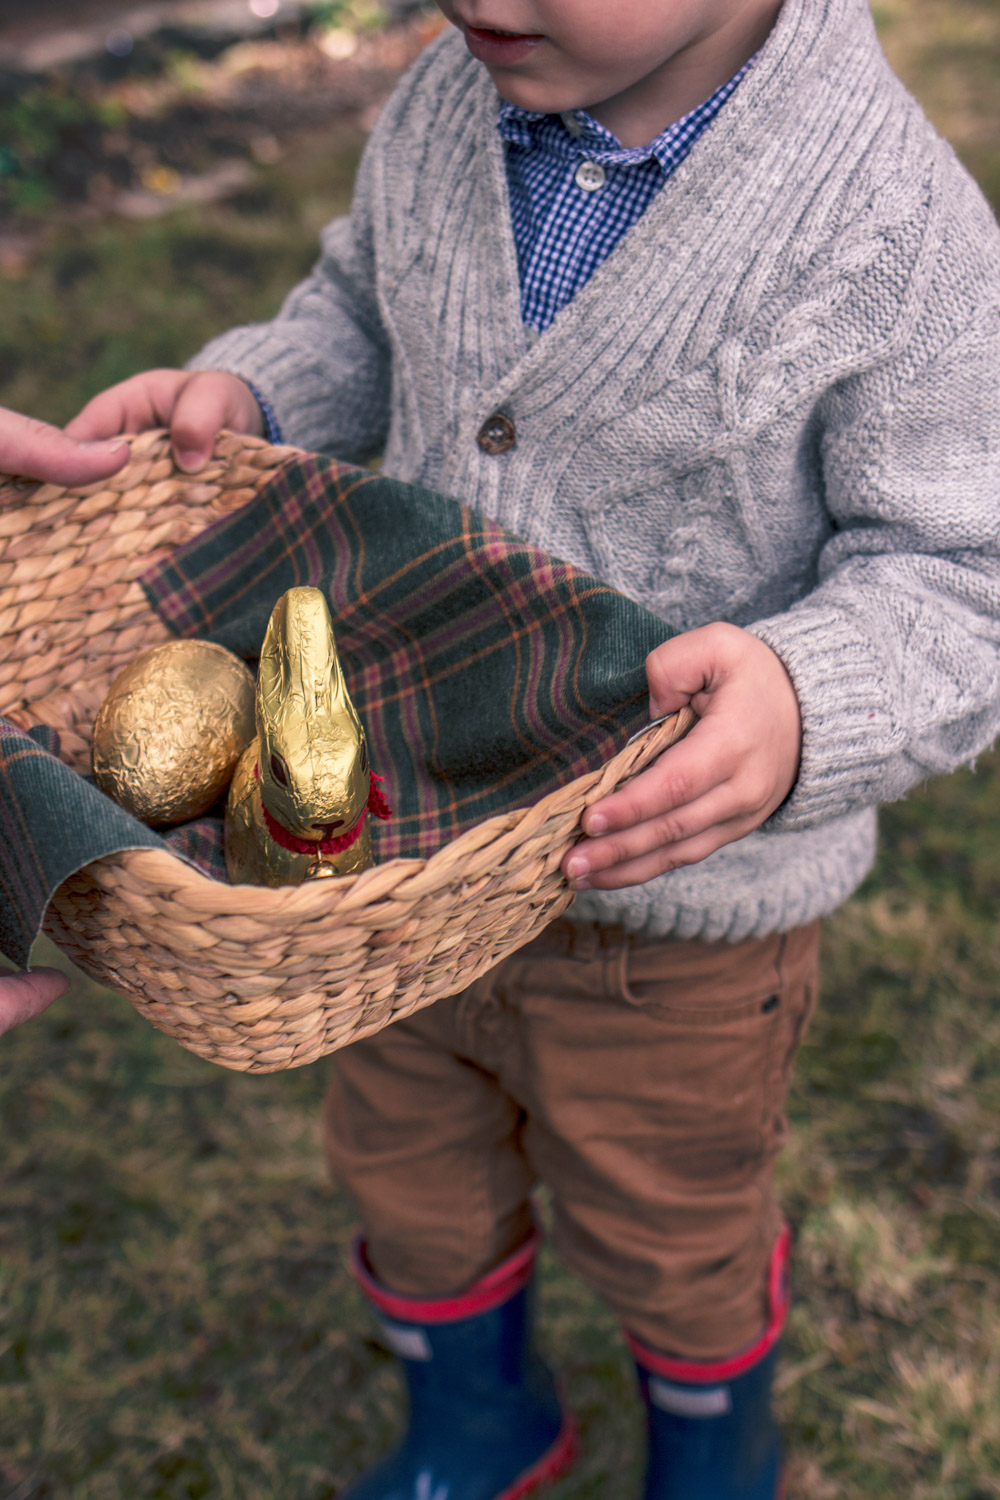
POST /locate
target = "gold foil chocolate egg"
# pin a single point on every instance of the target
(171, 730)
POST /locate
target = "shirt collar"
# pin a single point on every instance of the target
(577, 133)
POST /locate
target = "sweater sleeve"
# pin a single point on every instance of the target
(323, 362)
(895, 655)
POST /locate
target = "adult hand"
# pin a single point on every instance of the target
(721, 781)
(194, 404)
(35, 450)
(23, 996)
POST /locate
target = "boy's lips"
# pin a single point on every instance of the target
(499, 47)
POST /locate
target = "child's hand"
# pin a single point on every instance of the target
(194, 404)
(731, 771)
(37, 451)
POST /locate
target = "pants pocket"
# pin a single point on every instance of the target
(716, 1030)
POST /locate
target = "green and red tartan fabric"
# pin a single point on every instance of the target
(486, 672)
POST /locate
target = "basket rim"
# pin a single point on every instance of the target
(405, 876)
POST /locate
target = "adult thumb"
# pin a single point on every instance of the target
(23, 996)
(36, 450)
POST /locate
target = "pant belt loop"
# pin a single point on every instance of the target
(619, 965)
(586, 942)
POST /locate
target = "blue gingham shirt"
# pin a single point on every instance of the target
(563, 230)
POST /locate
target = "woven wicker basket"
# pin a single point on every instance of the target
(249, 977)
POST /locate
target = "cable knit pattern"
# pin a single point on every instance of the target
(777, 402)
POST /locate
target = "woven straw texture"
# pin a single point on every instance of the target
(251, 978)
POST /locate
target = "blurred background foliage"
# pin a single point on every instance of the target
(175, 1316)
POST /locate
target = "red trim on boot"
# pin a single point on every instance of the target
(708, 1372)
(551, 1466)
(495, 1288)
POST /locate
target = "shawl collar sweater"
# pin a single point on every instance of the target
(777, 402)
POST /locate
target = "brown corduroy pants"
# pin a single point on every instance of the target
(642, 1080)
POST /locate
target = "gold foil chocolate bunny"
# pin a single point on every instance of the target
(298, 801)
(177, 728)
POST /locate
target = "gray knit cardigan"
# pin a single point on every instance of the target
(776, 403)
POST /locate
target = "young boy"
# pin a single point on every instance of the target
(688, 293)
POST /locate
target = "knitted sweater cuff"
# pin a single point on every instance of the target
(847, 731)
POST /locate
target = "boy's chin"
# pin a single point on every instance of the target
(529, 94)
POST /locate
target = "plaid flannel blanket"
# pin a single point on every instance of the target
(486, 672)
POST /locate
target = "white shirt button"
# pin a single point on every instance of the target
(590, 176)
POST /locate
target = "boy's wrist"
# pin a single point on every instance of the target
(845, 727)
(272, 427)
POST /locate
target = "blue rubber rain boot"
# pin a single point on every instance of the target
(712, 1435)
(485, 1421)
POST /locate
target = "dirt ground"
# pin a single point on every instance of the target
(140, 121)
(64, 23)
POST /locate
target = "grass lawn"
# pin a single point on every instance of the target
(176, 1320)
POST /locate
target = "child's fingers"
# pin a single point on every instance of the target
(716, 785)
(658, 861)
(132, 405)
(195, 406)
(679, 777)
(209, 401)
(692, 664)
(709, 785)
(662, 831)
(104, 416)
(702, 668)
